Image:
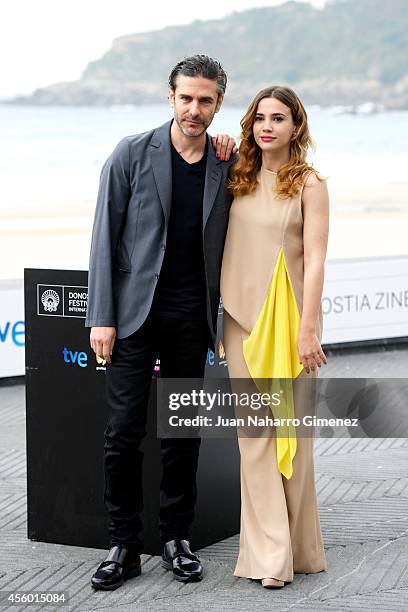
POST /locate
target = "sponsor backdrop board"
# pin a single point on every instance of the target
(66, 416)
(12, 328)
(363, 300)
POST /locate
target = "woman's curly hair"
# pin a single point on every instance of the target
(291, 175)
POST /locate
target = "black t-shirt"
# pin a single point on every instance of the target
(181, 289)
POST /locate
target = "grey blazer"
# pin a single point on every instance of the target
(130, 231)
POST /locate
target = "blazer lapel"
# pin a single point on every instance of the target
(160, 155)
(213, 176)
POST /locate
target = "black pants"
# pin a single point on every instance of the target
(182, 347)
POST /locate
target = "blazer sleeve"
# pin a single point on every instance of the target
(111, 208)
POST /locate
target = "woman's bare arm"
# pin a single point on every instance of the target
(315, 202)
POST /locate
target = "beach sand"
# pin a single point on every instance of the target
(64, 242)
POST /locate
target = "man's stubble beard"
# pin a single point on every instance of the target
(187, 132)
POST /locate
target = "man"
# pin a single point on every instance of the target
(157, 243)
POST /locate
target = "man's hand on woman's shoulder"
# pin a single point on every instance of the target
(224, 146)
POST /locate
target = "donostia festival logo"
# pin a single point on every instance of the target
(50, 300)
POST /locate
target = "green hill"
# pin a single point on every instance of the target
(349, 53)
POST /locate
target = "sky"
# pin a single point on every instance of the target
(46, 41)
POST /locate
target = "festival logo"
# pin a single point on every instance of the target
(62, 301)
(50, 300)
(75, 301)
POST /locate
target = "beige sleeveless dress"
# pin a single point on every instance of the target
(262, 294)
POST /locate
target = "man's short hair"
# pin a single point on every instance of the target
(200, 65)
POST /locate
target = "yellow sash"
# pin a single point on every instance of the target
(271, 353)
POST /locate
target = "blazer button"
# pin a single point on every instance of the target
(157, 276)
(163, 247)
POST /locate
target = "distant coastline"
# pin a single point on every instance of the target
(350, 56)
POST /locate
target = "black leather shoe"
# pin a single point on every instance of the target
(119, 565)
(178, 557)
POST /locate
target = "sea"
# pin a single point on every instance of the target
(51, 157)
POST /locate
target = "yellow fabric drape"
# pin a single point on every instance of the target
(271, 354)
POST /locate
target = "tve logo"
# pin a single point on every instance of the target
(13, 332)
(75, 357)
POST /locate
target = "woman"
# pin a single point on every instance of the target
(271, 286)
